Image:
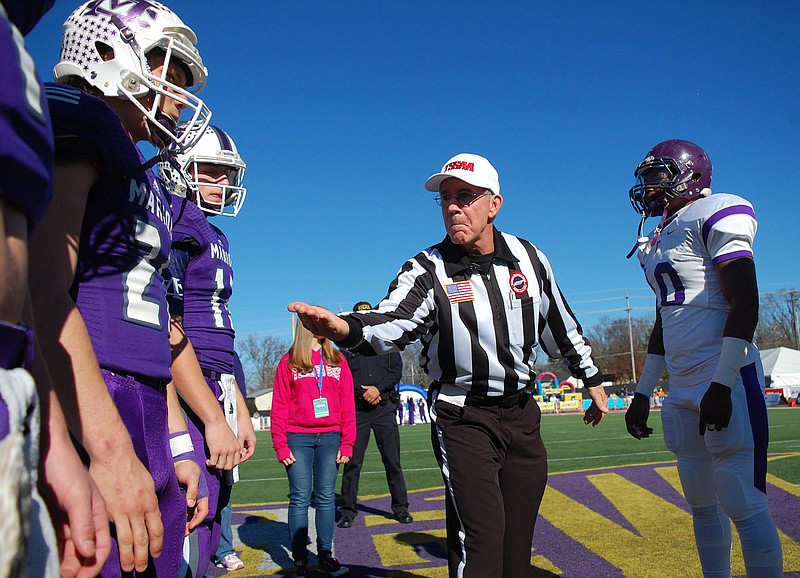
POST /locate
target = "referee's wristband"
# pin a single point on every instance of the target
(180, 443)
(654, 367)
(731, 357)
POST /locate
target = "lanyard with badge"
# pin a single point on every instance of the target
(321, 403)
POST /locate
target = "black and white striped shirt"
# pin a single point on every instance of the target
(478, 329)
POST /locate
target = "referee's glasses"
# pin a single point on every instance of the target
(462, 198)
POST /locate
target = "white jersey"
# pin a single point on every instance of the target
(680, 270)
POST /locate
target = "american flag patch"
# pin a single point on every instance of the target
(460, 291)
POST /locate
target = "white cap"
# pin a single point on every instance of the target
(472, 169)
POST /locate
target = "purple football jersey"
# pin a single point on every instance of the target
(125, 241)
(24, 14)
(206, 284)
(26, 139)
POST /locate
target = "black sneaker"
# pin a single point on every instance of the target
(329, 564)
(405, 518)
(299, 569)
(345, 522)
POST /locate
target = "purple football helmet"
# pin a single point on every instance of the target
(672, 169)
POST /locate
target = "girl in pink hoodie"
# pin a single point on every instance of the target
(313, 431)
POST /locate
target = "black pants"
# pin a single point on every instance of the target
(382, 421)
(494, 466)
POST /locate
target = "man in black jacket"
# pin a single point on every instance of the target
(375, 380)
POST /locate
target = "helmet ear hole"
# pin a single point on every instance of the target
(697, 176)
(105, 51)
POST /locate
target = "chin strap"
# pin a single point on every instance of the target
(646, 243)
(657, 231)
(641, 242)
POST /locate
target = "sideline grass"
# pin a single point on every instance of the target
(570, 444)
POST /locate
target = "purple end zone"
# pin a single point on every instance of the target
(356, 548)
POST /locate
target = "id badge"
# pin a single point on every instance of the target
(320, 407)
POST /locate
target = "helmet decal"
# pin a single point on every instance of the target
(106, 43)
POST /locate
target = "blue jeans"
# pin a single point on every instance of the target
(316, 467)
(226, 539)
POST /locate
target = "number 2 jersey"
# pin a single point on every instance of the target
(201, 284)
(680, 269)
(125, 238)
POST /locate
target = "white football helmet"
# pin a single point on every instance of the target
(127, 32)
(214, 147)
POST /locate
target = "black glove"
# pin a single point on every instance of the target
(715, 408)
(636, 417)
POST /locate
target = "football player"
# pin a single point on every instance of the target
(201, 283)
(699, 262)
(99, 300)
(77, 509)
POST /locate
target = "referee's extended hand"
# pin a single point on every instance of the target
(320, 321)
(599, 406)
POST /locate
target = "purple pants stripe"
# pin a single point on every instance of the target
(757, 410)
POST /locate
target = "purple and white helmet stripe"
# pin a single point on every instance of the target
(106, 43)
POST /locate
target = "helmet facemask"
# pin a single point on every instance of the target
(659, 180)
(107, 44)
(231, 195)
(214, 149)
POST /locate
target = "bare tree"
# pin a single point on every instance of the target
(260, 356)
(412, 372)
(611, 345)
(777, 320)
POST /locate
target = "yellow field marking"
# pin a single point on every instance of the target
(423, 516)
(398, 549)
(663, 541)
(543, 564)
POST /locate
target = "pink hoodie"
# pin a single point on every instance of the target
(293, 404)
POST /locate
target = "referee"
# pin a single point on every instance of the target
(479, 301)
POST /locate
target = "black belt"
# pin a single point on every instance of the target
(519, 398)
(211, 374)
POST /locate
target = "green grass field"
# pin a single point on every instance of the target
(570, 444)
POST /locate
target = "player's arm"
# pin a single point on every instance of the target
(737, 279)
(91, 414)
(191, 385)
(639, 409)
(76, 507)
(246, 433)
(188, 472)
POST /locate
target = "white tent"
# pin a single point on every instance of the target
(782, 367)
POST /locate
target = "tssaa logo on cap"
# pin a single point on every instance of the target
(518, 282)
(460, 166)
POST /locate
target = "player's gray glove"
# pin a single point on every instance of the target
(715, 408)
(636, 417)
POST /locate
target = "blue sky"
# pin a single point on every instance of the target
(343, 109)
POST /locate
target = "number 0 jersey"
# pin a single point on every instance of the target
(680, 269)
(125, 238)
(201, 284)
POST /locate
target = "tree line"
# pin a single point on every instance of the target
(610, 339)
